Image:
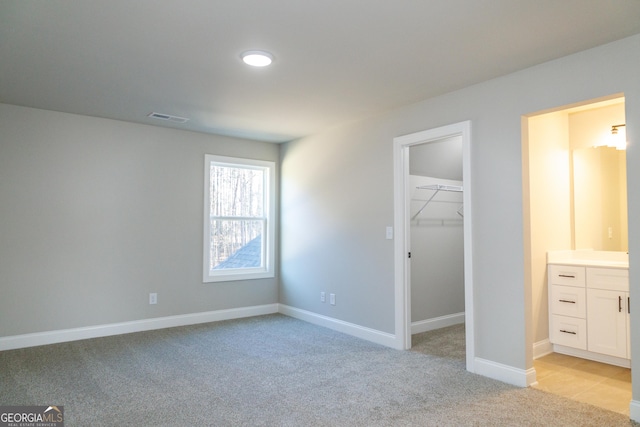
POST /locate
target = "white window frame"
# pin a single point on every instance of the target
(268, 239)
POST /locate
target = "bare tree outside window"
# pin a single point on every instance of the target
(237, 215)
(239, 212)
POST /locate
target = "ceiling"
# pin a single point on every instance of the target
(335, 60)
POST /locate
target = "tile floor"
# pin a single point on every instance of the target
(599, 384)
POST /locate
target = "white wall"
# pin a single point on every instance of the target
(95, 214)
(547, 201)
(337, 197)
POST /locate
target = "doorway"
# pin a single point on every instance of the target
(402, 224)
(574, 187)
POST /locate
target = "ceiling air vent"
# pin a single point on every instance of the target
(168, 118)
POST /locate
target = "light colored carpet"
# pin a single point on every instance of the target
(274, 371)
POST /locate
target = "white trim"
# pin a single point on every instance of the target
(65, 335)
(402, 292)
(505, 373)
(530, 377)
(352, 329)
(542, 348)
(634, 410)
(436, 323)
(584, 354)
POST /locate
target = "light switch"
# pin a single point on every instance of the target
(389, 233)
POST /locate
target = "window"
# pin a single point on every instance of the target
(239, 219)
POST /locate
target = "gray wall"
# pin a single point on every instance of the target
(437, 242)
(95, 214)
(438, 159)
(337, 197)
(437, 250)
(335, 193)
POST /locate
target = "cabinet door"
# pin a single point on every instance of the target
(607, 322)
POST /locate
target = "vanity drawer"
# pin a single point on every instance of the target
(568, 301)
(613, 279)
(568, 331)
(568, 275)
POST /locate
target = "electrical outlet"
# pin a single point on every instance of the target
(153, 298)
(323, 298)
(332, 299)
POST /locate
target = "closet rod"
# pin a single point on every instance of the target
(437, 188)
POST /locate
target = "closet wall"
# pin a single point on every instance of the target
(437, 241)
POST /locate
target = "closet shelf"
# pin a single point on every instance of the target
(437, 188)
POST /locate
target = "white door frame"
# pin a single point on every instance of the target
(402, 281)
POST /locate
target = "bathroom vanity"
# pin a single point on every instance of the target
(589, 305)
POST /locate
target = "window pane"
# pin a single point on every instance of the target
(239, 208)
(236, 244)
(236, 191)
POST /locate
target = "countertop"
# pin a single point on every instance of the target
(589, 258)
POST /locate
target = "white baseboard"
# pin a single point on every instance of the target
(53, 337)
(436, 323)
(358, 331)
(584, 354)
(634, 410)
(505, 373)
(542, 348)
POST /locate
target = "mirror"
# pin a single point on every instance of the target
(599, 186)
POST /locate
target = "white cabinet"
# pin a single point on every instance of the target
(589, 310)
(567, 306)
(608, 311)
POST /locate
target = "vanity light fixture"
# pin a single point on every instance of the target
(257, 58)
(618, 137)
(614, 128)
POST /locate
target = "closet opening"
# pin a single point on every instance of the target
(436, 234)
(575, 245)
(433, 238)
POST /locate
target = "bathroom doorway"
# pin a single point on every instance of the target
(574, 197)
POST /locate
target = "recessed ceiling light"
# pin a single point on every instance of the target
(257, 58)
